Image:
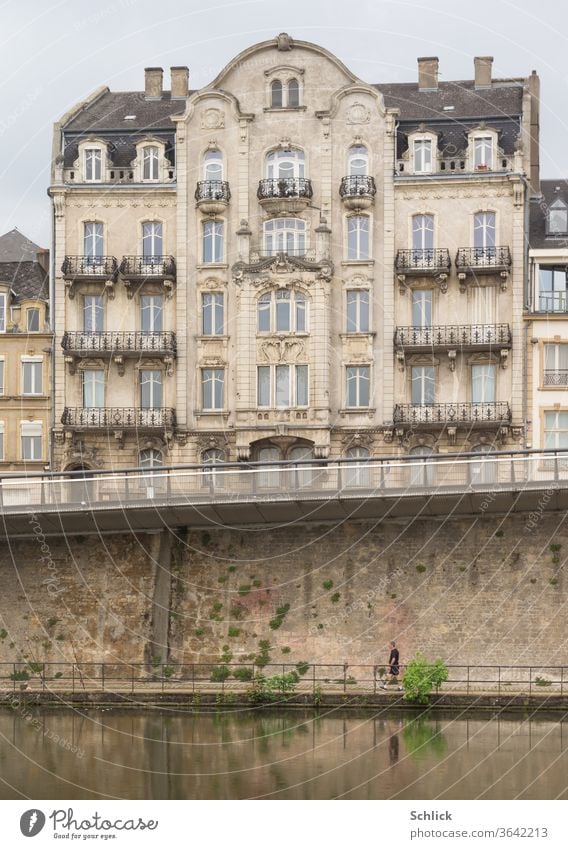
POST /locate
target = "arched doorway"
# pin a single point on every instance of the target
(280, 451)
(357, 473)
(482, 471)
(80, 485)
(422, 470)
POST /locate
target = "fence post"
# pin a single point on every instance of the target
(561, 680)
(73, 676)
(345, 677)
(132, 667)
(374, 680)
(313, 679)
(499, 682)
(14, 677)
(468, 680)
(530, 680)
(103, 676)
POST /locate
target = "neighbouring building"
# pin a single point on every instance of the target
(25, 355)
(291, 262)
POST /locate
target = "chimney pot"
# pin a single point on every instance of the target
(154, 79)
(180, 81)
(483, 66)
(428, 73)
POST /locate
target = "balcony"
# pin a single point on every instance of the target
(465, 337)
(212, 196)
(423, 262)
(76, 268)
(468, 414)
(119, 418)
(142, 269)
(473, 262)
(119, 344)
(285, 194)
(556, 377)
(357, 192)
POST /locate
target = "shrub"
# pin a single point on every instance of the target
(302, 667)
(421, 676)
(220, 673)
(52, 621)
(420, 568)
(244, 589)
(335, 598)
(20, 675)
(199, 632)
(256, 583)
(243, 673)
(285, 649)
(233, 632)
(237, 612)
(555, 547)
(282, 611)
(276, 622)
(3, 633)
(35, 668)
(221, 579)
(327, 585)
(542, 682)
(231, 569)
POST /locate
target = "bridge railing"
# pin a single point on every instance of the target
(300, 480)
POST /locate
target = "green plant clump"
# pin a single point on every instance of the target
(20, 675)
(302, 667)
(421, 677)
(220, 673)
(327, 585)
(244, 589)
(233, 632)
(3, 633)
(542, 682)
(420, 568)
(335, 598)
(243, 673)
(231, 569)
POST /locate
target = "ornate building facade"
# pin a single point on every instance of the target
(291, 263)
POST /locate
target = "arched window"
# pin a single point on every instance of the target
(213, 241)
(213, 165)
(152, 240)
(484, 229)
(276, 94)
(293, 93)
(482, 471)
(282, 311)
(285, 235)
(357, 473)
(285, 164)
(557, 220)
(422, 236)
(93, 164)
(358, 161)
(150, 458)
(151, 164)
(422, 471)
(93, 241)
(213, 456)
(358, 243)
(302, 474)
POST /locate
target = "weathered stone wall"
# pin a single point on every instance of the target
(483, 590)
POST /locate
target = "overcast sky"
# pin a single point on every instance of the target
(54, 53)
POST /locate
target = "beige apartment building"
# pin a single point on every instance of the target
(291, 263)
(25, 355)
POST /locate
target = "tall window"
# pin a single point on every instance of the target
(276, 94)
(483, 384)
(552, 288)
(293, 93)
(282, 311)
(422, 156)
(32, 320)
(483, 152)
(151, 164)
(151, 313)
(285, 163)
(32, 375)
(555, 430)
(93, 164)
(423, 385)
(93, 388)
(422, 308)
(213, 388)
(282, 386)
(422, 236)
(285, 235)
(212, 457)
(557, 219)
(556, 365)
(484, 230)
(358, 237)
(1, 441)
(213, 238)
(358, 386)
(357, 311)
(482, 470)
(150, 458)
(93, 314)
(213, 309)
(422, 470)
(213, 165)
(2, 312)
(357, 473)
(93, 245)
(150, 389)
(358, 161)
(2, 376)
(31, 436)
(152, 239)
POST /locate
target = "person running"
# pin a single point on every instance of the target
(394, 667)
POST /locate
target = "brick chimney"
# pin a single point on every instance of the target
(154, 79)
(428, 73)
(483, 65)
(180, 82)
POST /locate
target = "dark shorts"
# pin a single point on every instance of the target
(394, 670)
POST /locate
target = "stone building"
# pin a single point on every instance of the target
(291, 263)
(25, 355)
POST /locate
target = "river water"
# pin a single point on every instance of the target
(53, 754)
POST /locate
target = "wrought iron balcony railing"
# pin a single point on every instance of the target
(423, 261)
(476, 260)
(75, 267)
(357, 184)
(285, 187)
(553, 302)
(217, 190)
(454, 336)
(468, 413)
(556, 377)
(144, 267)
(133, 418)
(119, 342)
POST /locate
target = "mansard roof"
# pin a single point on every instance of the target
(19, 266)
(551, 190)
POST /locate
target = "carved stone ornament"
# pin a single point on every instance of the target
(358, 113)
(284, 42)
(212, 119)
(358, 439)
(282, 350)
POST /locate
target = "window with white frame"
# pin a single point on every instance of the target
(555, 430)
(32, 319)
(2, 375)
(484, 231)
(357, 473)
(213, 313)
(93, 164)
(213, 165)
(151, 164)
(293, 93)
(556, 365)
(282, 386)
(358, 386)
(93, 314)
(358, 241)
(152, 240)
(93, 240)
(422, 471)
(483, 153)
(213, 241)
(422, 308)
(1, 441)
(32, 375)
(557, 218)
(32, 438)
(150, 458)
(282, 311)
(423, 385)
(213, 388)
(285, 94)
(553, 288)
(151, 389)
(276, 94)
(285, 164)
(422, 237)
(358, 308)
(213, 456)
(422, 156)
(358, 161)
(483, 379)
(151, 313)
(93, 381)
(2, 312)
(285, 235)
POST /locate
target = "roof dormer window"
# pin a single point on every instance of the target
(93, 164)
(423, 156)
(557, 218)
(483, 153)
(151, 164)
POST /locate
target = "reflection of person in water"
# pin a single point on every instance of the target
(393, 749)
